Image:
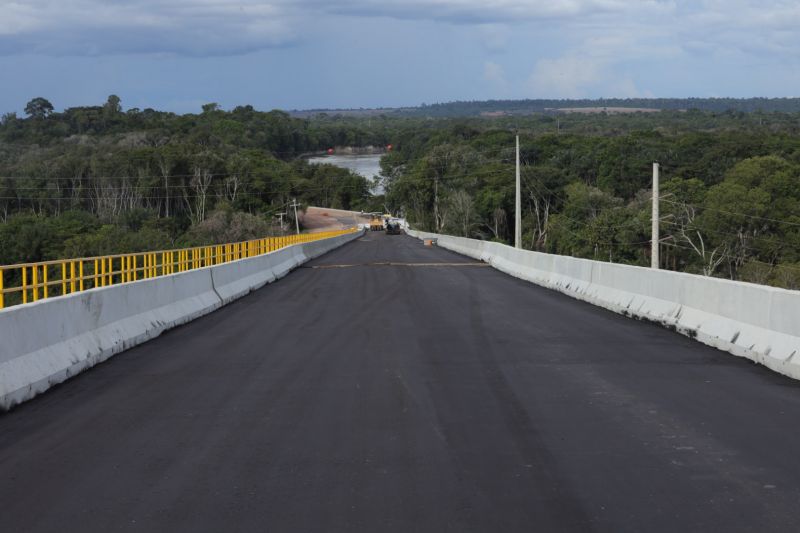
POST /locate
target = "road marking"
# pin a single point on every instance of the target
(392, 263)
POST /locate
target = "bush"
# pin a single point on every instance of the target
(224, 226)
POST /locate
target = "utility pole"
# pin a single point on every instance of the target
(281, 217)
(654, 251)
(518, 208)
(296, 220)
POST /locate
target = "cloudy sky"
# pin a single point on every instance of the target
(299, 54)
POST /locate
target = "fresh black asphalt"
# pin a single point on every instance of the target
(377, 395)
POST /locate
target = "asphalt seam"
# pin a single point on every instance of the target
(393, 263)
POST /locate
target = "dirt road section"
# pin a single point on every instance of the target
(316, 219)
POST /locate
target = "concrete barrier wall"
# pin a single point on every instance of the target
(754, 321)
(46, 342)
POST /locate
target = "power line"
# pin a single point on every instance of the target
(294, 186)
(734, 258)
(248, 174)
(768, 238)
(735, 213)
(631, 223)
(154, 159)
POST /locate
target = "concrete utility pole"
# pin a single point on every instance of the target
(281, 217)
(654, 251)
(518, 208)
(296, 220)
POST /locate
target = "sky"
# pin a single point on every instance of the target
(176, 55)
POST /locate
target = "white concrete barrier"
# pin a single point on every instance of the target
(45, 342)
(758, 322)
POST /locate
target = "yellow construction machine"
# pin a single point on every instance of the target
(376, 222)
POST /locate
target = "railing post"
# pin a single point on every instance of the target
(125, 268)
(24, 285)
(35, 283)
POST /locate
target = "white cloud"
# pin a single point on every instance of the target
(202, 27)
(494, 37)
(565, 77)
(489, 11)
(494, 74)
(621, 28)
(192, 27)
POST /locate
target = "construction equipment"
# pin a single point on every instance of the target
(376, 224)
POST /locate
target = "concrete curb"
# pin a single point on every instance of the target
(758, 322)
(47, 342)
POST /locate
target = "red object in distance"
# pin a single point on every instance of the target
(330, 151)
(389, 147)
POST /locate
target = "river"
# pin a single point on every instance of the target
(366, 165)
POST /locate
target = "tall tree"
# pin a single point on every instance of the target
(113, 105)
(38, 108)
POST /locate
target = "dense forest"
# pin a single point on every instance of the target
(522, 107)
(730, 195)
(527, 107)
(94, 180)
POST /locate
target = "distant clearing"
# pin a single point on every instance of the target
(609, 110)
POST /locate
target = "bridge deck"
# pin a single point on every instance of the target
(378, 396)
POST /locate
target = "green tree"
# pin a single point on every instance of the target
(39, 108)
(113, 105)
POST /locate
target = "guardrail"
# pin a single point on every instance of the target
(29, 282)
(758, 322)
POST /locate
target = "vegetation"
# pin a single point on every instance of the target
(730, 197)
(96, 180)
(524, 107)
(529, 107)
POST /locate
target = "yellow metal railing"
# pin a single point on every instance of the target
(30, 282)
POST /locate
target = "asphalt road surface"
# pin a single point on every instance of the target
(382, 392)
